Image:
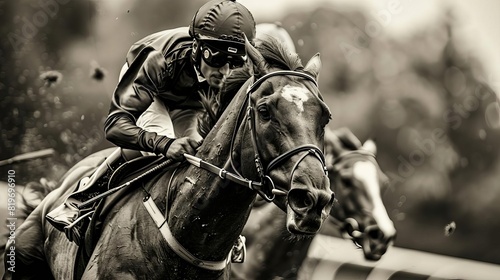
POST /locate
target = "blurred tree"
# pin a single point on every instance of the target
(37, 34)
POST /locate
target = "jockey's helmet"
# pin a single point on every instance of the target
(220, 25)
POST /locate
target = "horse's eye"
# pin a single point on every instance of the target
(264, 112)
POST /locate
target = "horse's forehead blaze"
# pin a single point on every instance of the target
(296, 95)
(366, 172)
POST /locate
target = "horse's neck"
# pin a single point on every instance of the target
(208, 213)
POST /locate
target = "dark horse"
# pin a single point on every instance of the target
(359, 215)
(270, 136)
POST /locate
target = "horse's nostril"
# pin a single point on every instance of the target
(376, 234)
(308, 200)
(301, 199)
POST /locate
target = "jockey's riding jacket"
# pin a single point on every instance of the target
(160, 66)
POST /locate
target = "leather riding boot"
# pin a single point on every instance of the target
(67, 216)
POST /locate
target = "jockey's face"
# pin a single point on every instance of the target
(214, 75)
(216, 65)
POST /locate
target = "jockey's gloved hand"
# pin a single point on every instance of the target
(181, 146)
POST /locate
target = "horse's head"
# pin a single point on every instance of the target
(357, 181)
(287, 120)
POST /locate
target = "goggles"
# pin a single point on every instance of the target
(218, 59)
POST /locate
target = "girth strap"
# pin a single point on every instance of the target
(179, 250)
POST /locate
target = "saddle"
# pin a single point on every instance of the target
(87, 233)
(73, 216)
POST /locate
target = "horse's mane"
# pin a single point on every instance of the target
(277, 56)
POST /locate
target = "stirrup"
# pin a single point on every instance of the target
(239, 251)
(67, 214)
(73, 230)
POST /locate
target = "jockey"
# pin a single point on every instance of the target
(156, 103)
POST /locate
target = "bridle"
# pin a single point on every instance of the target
(266, 187)
(350, 227)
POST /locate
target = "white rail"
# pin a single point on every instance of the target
(334, 258)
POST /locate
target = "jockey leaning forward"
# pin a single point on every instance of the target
(155, 105)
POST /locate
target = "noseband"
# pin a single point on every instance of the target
(266, 188)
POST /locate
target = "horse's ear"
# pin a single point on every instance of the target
(348, 139)
(313, 66)
(333, 146)
(370, 146)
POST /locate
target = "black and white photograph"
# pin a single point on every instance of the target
(250, 140)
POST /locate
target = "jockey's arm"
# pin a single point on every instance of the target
(133, 95)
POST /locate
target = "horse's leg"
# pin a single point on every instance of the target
(29, 260)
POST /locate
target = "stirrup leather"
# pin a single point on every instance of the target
(73, 231)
